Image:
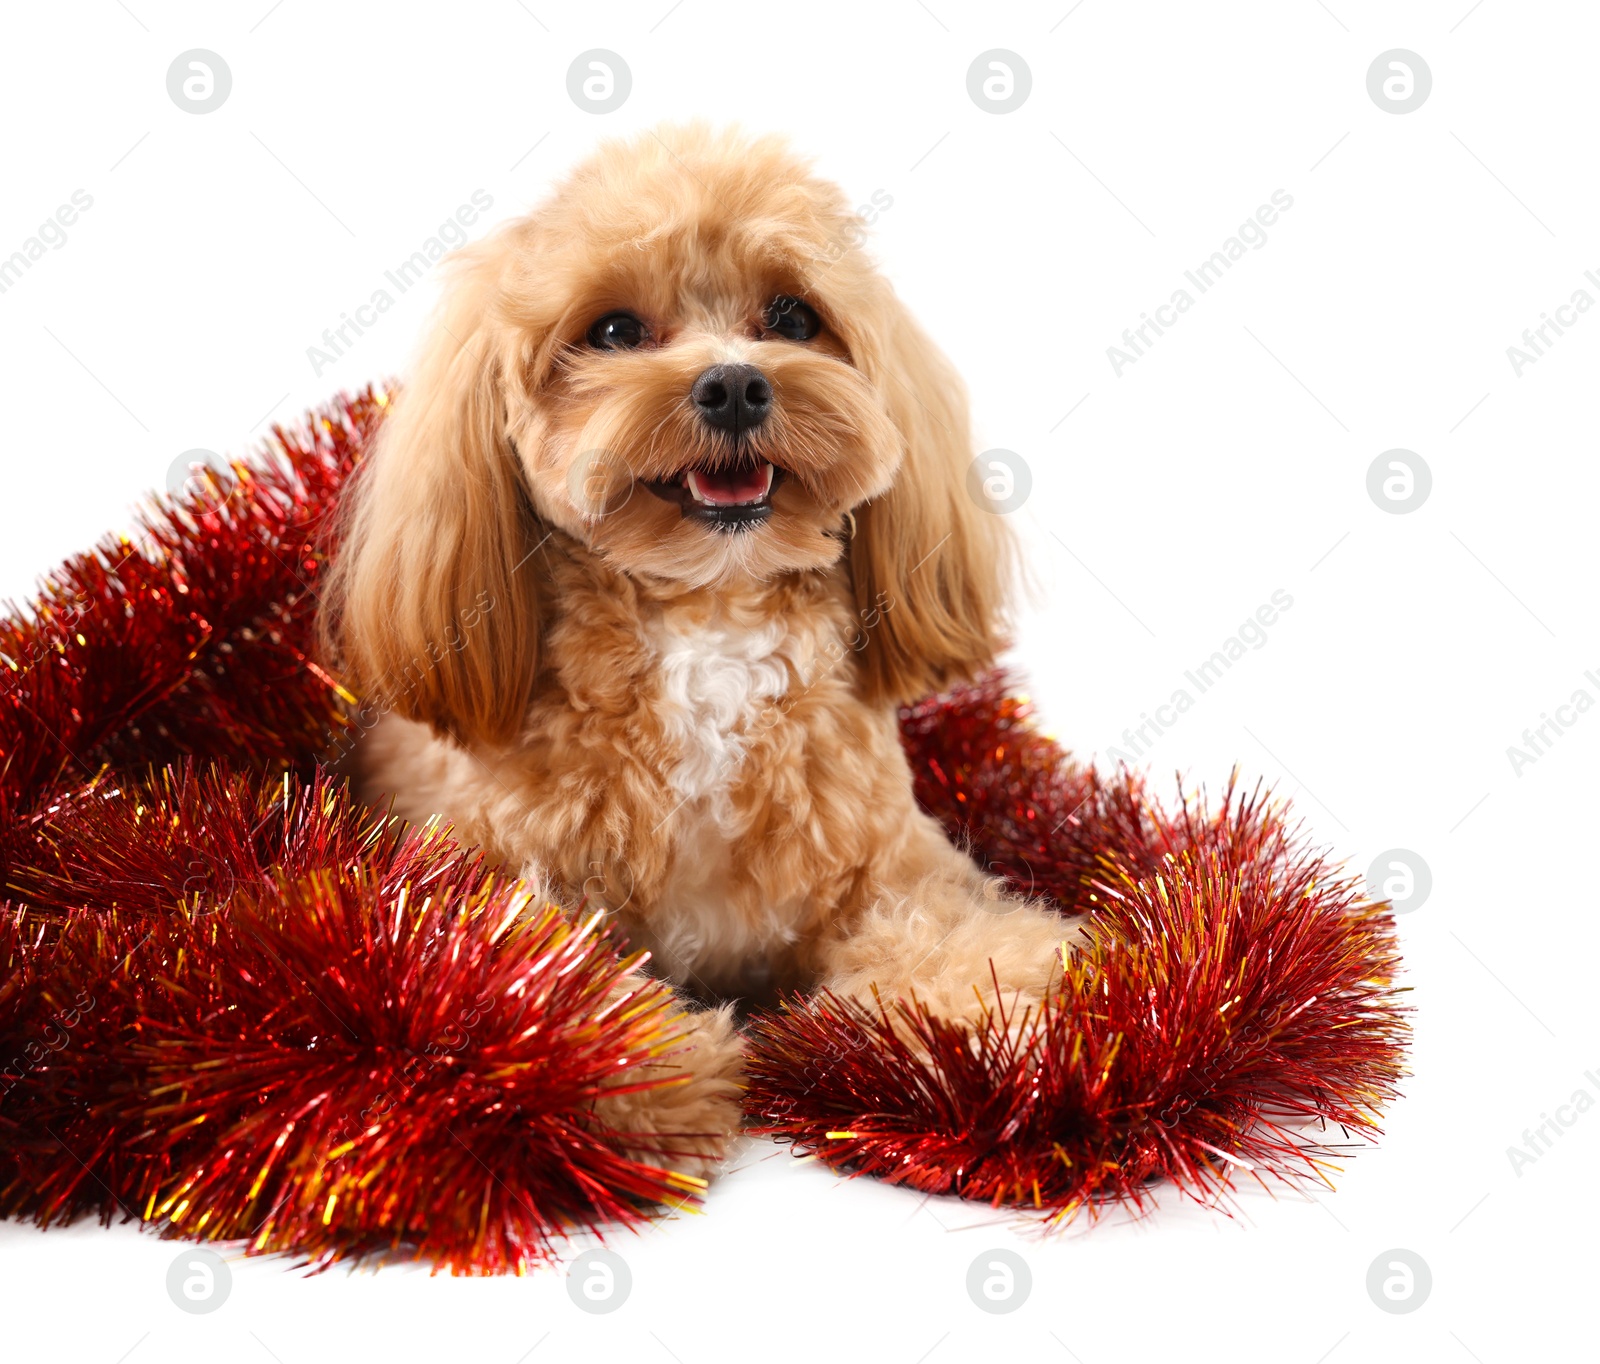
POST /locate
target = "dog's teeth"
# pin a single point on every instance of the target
(694, 489)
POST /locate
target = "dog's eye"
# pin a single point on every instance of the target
(617, 331)
(791, 318)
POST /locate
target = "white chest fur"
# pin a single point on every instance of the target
(714, 682)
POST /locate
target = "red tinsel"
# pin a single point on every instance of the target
(313, 1029)
(193, 638)
(1015, 798)
(237, 1007)
(1228, 994)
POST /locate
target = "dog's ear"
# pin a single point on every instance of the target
(930, 562)
(432, 610)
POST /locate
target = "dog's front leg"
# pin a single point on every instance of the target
(686, 1121)
(936, 928)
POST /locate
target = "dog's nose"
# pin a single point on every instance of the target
(732, 398)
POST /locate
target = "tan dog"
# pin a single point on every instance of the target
(672, 514)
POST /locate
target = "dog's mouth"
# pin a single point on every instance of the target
(734, 497)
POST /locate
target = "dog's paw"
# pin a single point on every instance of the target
(687, 1122)
(1000, 954)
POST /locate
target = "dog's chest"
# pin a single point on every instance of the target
(713, 686)
(716, 693)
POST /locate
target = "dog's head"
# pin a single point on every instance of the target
(685, 361)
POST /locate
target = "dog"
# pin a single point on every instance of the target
(672, 514)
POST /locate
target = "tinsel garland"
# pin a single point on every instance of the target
(192, 637)
(274, 1018)
(235, 1006)
(1233, 990)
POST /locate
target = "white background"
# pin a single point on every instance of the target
(1228, 462)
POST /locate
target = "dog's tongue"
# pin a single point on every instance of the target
(730, 487)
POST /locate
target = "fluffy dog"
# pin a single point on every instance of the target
(671, 515)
